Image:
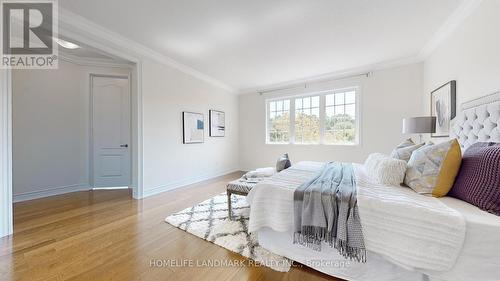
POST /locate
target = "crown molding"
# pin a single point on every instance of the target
(460, 14)
(68, 21)
(92, 61)
(336, 75)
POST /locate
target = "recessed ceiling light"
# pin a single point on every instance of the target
(66, 44)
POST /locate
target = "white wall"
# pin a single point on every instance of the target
(168, 163)
(51, 125)
(386, 97)
(471, 55)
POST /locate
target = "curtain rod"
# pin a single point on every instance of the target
(304, 85)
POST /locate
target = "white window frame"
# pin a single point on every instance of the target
(320, 120)
(322, 115)
(268, 114)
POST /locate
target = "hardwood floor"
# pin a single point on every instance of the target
(107, 235)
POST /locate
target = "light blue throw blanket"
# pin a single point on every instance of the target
(325, 210)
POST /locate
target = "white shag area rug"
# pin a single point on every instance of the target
(209, 220)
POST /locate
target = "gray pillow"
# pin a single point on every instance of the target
(283, 163)
(404, 150)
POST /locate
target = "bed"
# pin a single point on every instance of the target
(462, 244)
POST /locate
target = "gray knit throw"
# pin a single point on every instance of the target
(326, 210)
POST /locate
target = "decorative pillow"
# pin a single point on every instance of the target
(404, 150)
(260, 173)
(283, 163)
(384, 169)
(478, 181)
(432, 168)
(405, 143)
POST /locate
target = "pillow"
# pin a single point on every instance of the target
(283, 163)
(478, 181)
(405, 143)
(384, 169)
(404, 150)
(260, 173)
(432, 168)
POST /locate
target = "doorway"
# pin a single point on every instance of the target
(77, 32)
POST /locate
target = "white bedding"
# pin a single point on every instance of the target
(479, 259)
(410, 230)
(273, 201)
(329, 261)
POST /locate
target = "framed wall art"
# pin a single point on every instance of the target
(443, 107)
(217, 123)
(193, 127)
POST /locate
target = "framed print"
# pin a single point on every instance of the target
(217, 123)
(443, 107)
(193, 127)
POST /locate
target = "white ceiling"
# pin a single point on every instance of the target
(252, 43)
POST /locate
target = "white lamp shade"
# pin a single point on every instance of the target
(419, 125)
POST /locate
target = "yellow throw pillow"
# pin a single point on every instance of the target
(432, 168)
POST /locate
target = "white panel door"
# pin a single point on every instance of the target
(111, 131)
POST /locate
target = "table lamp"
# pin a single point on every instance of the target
(419, 125)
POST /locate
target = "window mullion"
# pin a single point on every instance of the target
(268, 117)
(322, 113)
(292, 121)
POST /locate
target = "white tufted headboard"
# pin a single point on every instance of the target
(477, 121)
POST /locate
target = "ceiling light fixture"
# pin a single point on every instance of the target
(66, 44)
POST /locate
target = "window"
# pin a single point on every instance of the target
(329, 117)
(279, 121)
(340, 117)
(307, 120)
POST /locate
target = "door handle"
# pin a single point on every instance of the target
(124, 145)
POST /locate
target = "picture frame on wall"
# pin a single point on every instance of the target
(193, 127)
(443, 107)
(217, 125)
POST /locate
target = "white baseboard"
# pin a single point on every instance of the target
(50, 192)
(184, 182)
(246, 170)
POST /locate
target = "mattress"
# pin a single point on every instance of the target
(479, 259)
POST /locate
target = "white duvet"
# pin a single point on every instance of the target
(411, 230)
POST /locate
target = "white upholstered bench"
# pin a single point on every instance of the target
(238, 187)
